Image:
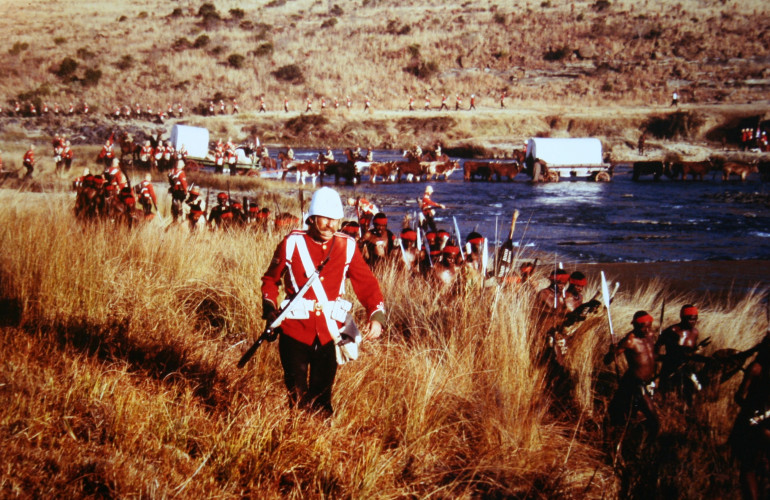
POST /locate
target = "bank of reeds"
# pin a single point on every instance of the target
(119, 379)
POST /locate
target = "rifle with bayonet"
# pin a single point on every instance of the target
(270, 332)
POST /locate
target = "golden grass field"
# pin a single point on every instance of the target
(118, 376)
(119, 380)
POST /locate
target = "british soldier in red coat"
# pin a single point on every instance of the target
(67, 155)
(308, 346)
(29, 161)
(146, 193)
(177, 181)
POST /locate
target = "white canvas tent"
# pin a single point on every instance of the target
(566, 152)
(194, 139)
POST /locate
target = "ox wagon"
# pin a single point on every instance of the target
(555, 159)
(196, 141)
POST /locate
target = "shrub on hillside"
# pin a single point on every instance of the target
(125, 62)
(181, 43)
(263, 49)
(236, 60)
(208, 10)
(67, 68)
(201, 41)
(289, 73)
(557, 54)
(177, 12)
(92, 77)
(84, 53)
(681, 124)
(396, 28)
(336, 10)
(303, 124)
(59, 40)
(237, 13)
(422, 69)
(329, 23)
(18, 47)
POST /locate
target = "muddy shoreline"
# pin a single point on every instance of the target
(708, 281)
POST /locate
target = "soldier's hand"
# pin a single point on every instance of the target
(273, 335)
(375, 330)
(269, 312)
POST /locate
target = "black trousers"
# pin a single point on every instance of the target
(308, 372)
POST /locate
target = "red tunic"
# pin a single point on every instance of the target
(293, 275)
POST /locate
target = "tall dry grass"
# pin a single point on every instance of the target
(119, 379)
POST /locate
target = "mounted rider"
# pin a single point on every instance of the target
(114, 176)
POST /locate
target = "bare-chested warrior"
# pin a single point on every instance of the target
(750, 438)
(676, 346)
(636, 386)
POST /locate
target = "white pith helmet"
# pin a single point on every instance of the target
(326, 203)
(429, 189)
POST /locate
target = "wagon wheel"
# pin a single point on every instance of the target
(553, 176)
(603, 177)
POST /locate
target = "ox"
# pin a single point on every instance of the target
(411, 169)
(696, 169)
(382, 169)
(504, 169)
(656, 168)
(303, 169)
(738, 168)
(474, 169)
(344, 170)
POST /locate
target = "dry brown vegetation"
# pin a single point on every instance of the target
(552, 58)
(119, 380)
(118, 376)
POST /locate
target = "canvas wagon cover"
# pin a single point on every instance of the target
(566, 151)
(195, 139)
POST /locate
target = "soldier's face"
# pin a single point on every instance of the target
(322, 228)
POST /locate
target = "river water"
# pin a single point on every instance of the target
(582, 221)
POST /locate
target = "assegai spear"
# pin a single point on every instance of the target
(505, 262)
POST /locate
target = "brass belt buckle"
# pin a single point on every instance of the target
(317, 306)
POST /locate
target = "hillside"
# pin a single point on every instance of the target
(599, 60)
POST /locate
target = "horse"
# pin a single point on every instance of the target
(286, 162)
(655, 168)
(738, 168)
(504, 169)
(89, 202)
(697, 169)
(128, 147)
(383, 169)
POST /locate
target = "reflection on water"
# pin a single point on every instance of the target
(569, 193)
(584, 221)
